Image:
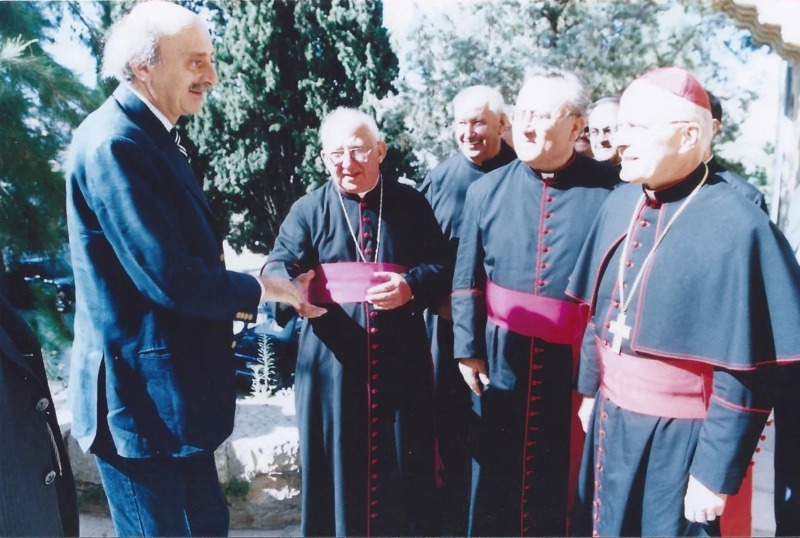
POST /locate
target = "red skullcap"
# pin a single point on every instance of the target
(678, 82)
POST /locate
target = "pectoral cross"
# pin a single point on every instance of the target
(620, 331)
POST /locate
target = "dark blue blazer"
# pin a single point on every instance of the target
(37, 491)
(152, 369)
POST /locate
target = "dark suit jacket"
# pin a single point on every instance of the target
(37, 492)
(152, 366)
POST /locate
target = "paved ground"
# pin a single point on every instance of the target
(100, 526)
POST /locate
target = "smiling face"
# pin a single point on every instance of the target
(478, 130)
(544, 127)
(357, 169)
(181, 76)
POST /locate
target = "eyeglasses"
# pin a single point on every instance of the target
(358, 154)
(528, 117)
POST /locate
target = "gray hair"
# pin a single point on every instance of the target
(134, 38)
(576, 96)
(480, 94)
(347, 119)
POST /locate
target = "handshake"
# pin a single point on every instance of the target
(292, 292)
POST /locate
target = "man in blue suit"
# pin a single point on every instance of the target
(152, 375)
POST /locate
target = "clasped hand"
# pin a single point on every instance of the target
(393, 293)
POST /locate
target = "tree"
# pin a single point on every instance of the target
(40, 102)
(607, 43)
(282, 66)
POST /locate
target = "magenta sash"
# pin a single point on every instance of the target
(660, 388)
(346, 282)
(553, 320)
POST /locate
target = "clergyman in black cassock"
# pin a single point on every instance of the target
(522, 230)
(695, 299)
(364, 380)
(479, 120)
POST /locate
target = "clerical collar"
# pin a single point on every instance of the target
(552, 175)
(372, 193)
(677, 191)
(168, 125)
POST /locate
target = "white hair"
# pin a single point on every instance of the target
(346, 119)
(481, 95)
(135, 37)
(576, 97)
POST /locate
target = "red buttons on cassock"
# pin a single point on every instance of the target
(548, 215)
(542, 283)
(368, 252)
(374, 391)
(365, 220)
(636, 244)
(615, 304)
(373, 362)
(549, 198)
(643, 223)
(543, 265)
(374, 346)
(628, 263)
(546, 231)
(373, 330)
(373, 314)
(367, 235)
(545, 249)
(374, 420)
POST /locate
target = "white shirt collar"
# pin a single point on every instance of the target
(168, 125)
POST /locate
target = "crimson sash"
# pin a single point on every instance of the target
(553, 320)
(346, 282)
(661, 388)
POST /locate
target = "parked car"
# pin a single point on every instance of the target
(53, 274)
(266, 353)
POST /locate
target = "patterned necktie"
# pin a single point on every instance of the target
(178, 142)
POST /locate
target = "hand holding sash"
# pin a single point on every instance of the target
(393, 293)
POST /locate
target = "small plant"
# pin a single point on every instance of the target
(236, 488)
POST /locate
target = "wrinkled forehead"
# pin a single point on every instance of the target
(543, 95)
(473, 108)
(604, 115)
(644, 103)
(348, 134)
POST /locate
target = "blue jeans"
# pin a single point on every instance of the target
(164, 496)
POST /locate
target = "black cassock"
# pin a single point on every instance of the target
(722, 295)
(523, 233)
(445, 188)
(364, 382)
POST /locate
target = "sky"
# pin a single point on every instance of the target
(399, 15)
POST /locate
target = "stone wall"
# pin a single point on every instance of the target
(257, 464)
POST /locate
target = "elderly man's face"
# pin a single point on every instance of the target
(478, 131)
(184, 72)
(655, 143)
(602, 127)
(544, 128)
(353, 159)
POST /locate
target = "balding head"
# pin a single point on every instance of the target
(664, 128)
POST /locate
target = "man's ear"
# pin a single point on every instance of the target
(578, 126)
(691, 135)
(141, 71)
(381, 149)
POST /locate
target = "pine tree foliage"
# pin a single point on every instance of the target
(608, 43)
(282, 66)
(40, 102)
